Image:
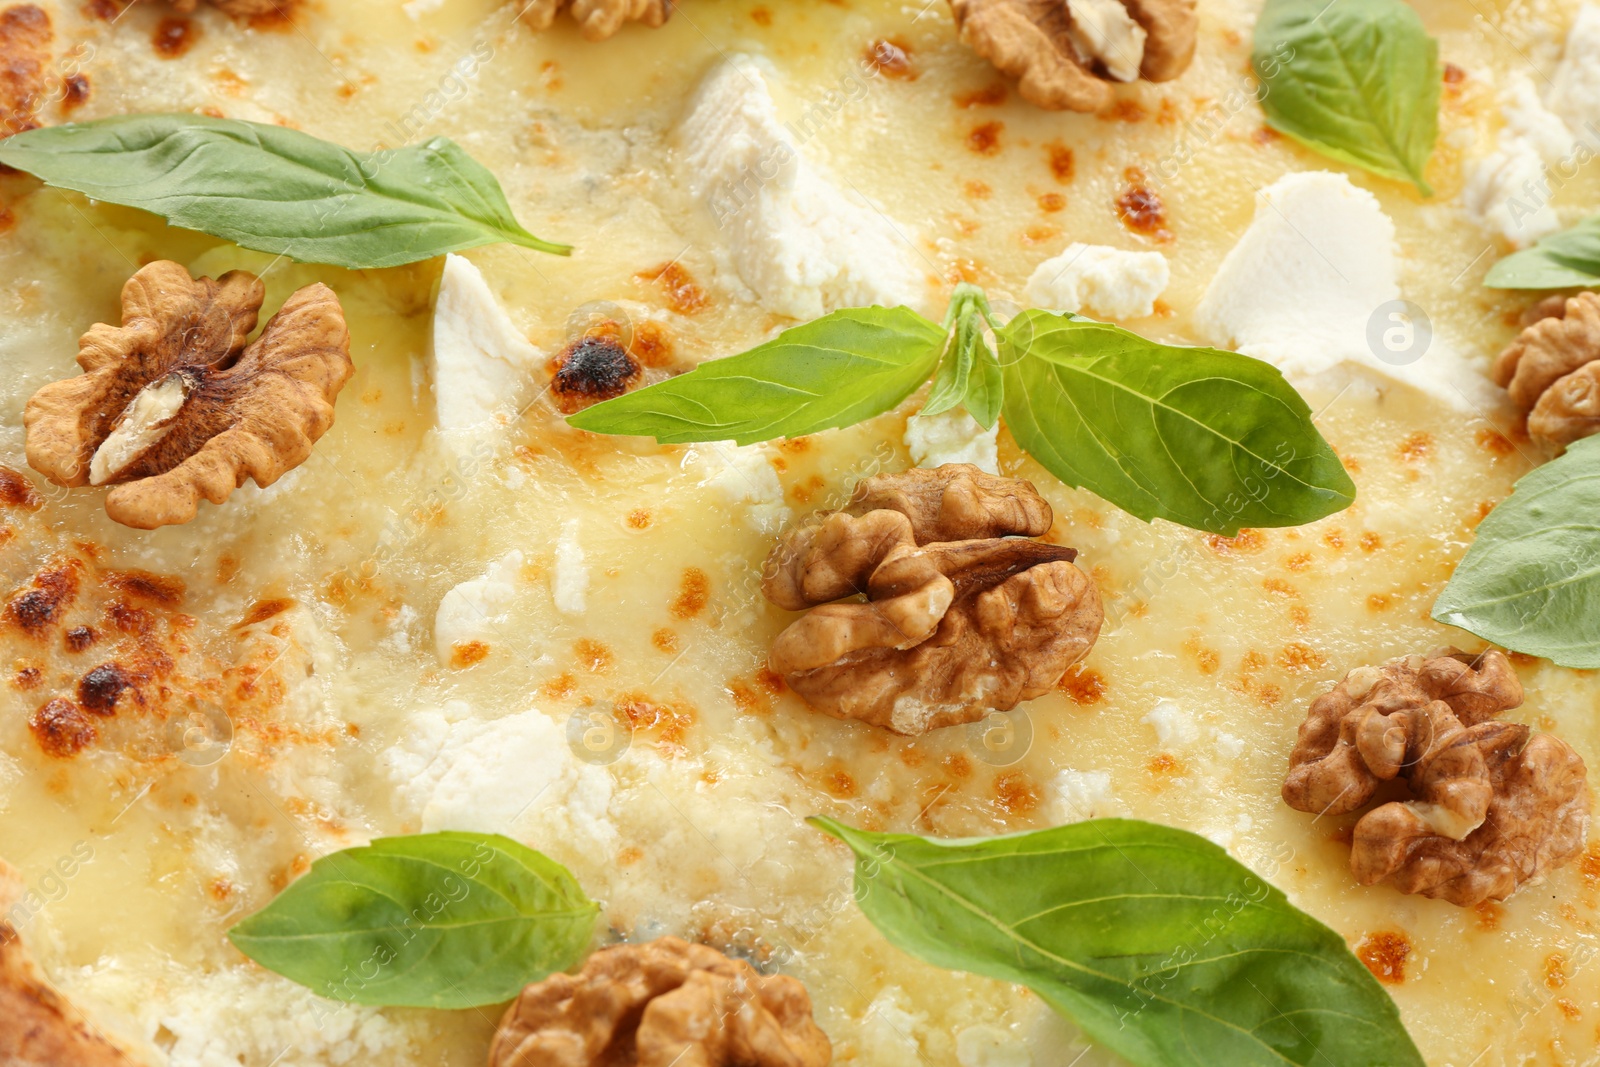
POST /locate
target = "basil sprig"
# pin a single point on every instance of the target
(447, 920)
(1531, 580)
(1151, 939)
(1356, 80)
(1206, 438)
(1210, 439)
(969, 374)
(835, 371)
(279, 190)
(1561, 261)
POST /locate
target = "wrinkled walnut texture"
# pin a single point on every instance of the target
(38, 1026)
(666, 1003)
(1030, 40)
(250, 411)
(1491, 808)
(598, 19)
(962, 617)
(1552, 369)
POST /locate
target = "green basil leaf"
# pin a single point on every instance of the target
(968, 375)
(448, 920)
(1531, 580)
(279, 190)
(1561, 261)
(833, 371)
(1209, 439)
(1152, 940)
(1356, 80)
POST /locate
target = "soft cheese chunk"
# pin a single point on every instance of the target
(802, 244)
(1103, 32)
(515, 775)
(1313, 284)
(570, 583)
(952, 437)
(744, 475)
(480, 362)
(1508, 191)
(1575, 84)
(1100, 280)
(472, 610)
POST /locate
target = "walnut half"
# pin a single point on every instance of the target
(174, 405)
(1489, 809)
(38, 1026)
(962, 617)
(1067, 53)
(596, 19)
(1552, 369)
(665, 1003)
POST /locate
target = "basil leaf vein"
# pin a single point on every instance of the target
(447, 920)
(279, 190)
(1561, 261)
(1531, 580)
(1151, 939)
(1210, 439)
(834, 371)
(1356, 80)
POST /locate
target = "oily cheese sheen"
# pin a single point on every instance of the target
(438, 620)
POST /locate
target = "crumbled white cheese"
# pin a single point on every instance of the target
(1508, 191)
(1080, 795)
(246, 1014)
(802, 244)
(569, 584)
(1575, 83)
(145, 421)
(515, 776)
(990, 1046)
(1101, 280)
(1174, 727)
(472, 610)
(1229, 746)
(742, 475)
(889, 1031)
(1313, 283)
(1102, 31)
(480, 362)
(952, 437)
(399, 636)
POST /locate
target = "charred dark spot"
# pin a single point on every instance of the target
(103, 9)
(62, 729)
(79, 638)
(174, 36)
(75, 91)
(263, 610)
(683, 293)
(39, 607)
(16, 491)
(1141, 210)
(985, 139)
(891, 58)
(29, 678)
(146, 586)
(590, 370)
(99, 690)
(129, 620)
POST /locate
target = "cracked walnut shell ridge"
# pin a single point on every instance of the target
(665, 1003)
(174, 405)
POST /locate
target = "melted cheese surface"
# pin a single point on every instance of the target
(295, 698)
